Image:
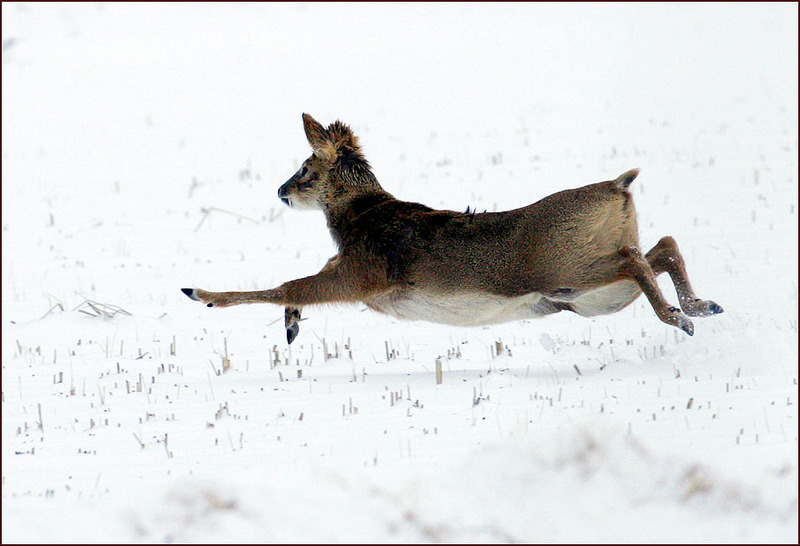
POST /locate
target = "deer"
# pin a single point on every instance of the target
(575, 250)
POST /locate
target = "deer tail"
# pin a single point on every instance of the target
(624, 180)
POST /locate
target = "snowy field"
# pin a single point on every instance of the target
(142, 149)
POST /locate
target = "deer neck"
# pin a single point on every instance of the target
(342, 215)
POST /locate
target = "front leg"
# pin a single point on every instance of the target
(291, 319)
(216, 299)
(340, 281)
(291, 315)
(337, 282)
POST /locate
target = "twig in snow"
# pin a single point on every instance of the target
(96, 309)
(60, 307)
(208, 210)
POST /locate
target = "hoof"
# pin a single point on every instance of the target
(291, 332)
(679, 320)
(703, 308)
(687, 326)
(190, 293)
(291, 316)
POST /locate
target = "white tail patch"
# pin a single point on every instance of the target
(625, 179)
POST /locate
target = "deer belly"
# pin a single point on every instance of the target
(604, 300)
(464, 309)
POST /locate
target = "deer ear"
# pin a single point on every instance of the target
(315, 133)
(343, 139)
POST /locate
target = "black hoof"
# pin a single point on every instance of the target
(679, 320)
(709, 308)
(291, 316)
(686, 325)
(190, 293)
(702, 308)
(291, 332)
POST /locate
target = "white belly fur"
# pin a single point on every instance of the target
(468, 309)
(476, 309)
(606, 299)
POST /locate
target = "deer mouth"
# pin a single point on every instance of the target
(285, 195)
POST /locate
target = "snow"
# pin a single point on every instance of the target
(142, 149)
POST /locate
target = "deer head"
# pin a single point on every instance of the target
(335, 173)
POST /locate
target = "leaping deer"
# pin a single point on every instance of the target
(576, 250)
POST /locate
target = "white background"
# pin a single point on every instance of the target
(142, 149)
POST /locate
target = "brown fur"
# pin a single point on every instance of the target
(575, 250)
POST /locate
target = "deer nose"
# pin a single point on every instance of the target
(283, 193)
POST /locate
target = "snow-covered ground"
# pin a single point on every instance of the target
(142, 147)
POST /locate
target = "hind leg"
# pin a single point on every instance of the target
(665, 257)
(635, 267)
